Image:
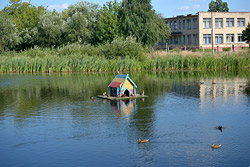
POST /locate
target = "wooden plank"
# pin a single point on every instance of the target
(121, 98)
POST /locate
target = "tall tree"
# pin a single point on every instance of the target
(80, 22)
(140, 20)
(218, 6)
(246, 34)
(24, 14)
(50, 29)
(8, 33)
(108, 26)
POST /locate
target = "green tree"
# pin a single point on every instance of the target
(140, 20)
(108, 26)
(246, 34)
(24, 15)
(80, 22)
(50, 29)
(218, 6)
(8, 33)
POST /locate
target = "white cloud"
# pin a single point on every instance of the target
(186, 8)
(183, 8)
(58, 6)
(194, 7)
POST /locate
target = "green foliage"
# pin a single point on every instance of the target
(218, 6)
(140, 20)
(80, 22)
(63, 60)
(24, 15)
(49, 29)
(8, 33)
(226, 49)
(108, 24)
(246, 34)
(122, 48)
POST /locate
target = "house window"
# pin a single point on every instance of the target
(218, 22)
(241, 22)
(195, 39)
(183, 39)
(175, 25)
(218, 38)
(189, 39)
(183, 24)
(179, 24)
(206, 23)
(240, 39)
(207, 39)
(230, 22)
(230, 38)
(188, 24)
(195, 25)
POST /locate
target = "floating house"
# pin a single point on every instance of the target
(122, 85)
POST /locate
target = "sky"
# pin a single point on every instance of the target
(168, 8)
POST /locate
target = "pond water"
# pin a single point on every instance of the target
(49, 120)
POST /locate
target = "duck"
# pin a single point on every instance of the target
(213, 146)
(220, 128)
(201, 82)
(142, 140)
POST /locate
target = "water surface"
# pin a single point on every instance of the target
(49, 120)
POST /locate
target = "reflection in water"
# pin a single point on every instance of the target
(124, 108)
(53, 115)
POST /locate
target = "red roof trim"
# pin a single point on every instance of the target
(115, 84)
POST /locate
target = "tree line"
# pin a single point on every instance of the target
(24, 26)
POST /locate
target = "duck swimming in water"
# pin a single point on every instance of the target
(220, 128)
(142, 140)
(213, 146)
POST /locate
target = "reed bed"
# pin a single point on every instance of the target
(68, 60)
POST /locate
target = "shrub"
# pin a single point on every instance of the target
(122, 48)
(226, 49)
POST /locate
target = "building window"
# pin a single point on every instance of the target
(188, 39)
(175, 25)
(179, 24)
(207, 39)
(230, 38)
(195, 23)
(183, 40)
(188, 24)
(240, 39)
(218, 38)
(206, 23)
(195, 39)
(183, 24)
(230, 22)
(175, 40)
(218, 22)
(241, 22)
(171, 25)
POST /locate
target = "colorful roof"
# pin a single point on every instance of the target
(119, 79)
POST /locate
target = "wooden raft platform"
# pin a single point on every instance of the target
(121, 98)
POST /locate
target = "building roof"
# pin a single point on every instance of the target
(119, 79)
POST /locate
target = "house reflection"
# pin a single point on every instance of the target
(124, 108)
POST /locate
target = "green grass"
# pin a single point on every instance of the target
(78, 58)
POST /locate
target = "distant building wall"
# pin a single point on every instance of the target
(195, 31)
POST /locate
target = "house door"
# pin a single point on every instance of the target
(126, 92)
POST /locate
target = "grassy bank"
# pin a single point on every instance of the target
(87, 58)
